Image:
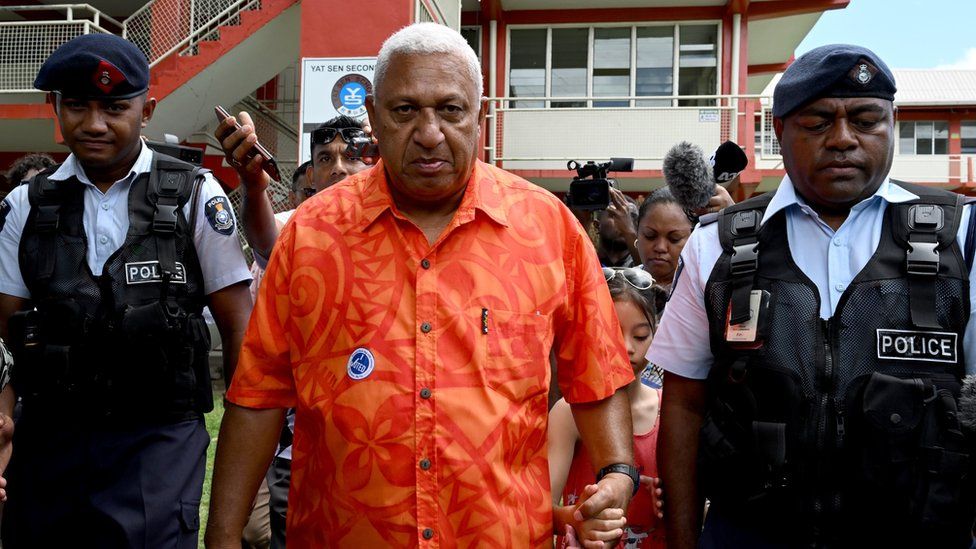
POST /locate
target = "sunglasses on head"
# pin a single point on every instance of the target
(638, 278)
(322, 136)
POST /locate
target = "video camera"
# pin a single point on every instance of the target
(590, 189)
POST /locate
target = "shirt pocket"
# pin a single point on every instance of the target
(517, 352)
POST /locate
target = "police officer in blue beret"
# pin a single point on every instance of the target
(106, 263)
(818, 338)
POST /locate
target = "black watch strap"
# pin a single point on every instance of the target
(622, 468)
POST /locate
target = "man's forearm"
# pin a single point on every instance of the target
(681, 418)
(260, 228)
(606, 429)
(244, 450)
(231, 308)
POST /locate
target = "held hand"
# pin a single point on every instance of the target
(720, 199)
(238, 147)
(619, 214)
(599, 515)
(653, 484)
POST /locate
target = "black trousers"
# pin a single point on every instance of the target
(279, 480)
(73, 486)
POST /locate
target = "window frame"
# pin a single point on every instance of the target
(931, 140)
(480, 37)
(675, 67)
(963, 123)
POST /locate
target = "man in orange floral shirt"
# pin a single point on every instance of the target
(408, 314)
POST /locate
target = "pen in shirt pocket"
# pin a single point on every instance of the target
(484, 320)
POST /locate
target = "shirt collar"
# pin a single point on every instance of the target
(483, 194)
(786, 196)
(71, 168)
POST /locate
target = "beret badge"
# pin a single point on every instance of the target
(863, 72)
(107, 76)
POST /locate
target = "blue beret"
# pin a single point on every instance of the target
(836, 70)
(95, 66)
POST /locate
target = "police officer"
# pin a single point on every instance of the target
(106, 263)
(817, 338)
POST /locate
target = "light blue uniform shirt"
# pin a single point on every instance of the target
(831, 259)
(106, 222)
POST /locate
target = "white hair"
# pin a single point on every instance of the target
(427, 39)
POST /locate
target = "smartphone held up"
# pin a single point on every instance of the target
(269, 164)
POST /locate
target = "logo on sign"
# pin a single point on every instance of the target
(349, 95)
(361, 364)
(918, 346)
(145, 272)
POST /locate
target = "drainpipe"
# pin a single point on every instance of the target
(492, 84)
(736, 46)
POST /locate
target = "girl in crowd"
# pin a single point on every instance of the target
(570, 470)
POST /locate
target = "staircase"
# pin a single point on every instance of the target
(226, 65)
(202, 53)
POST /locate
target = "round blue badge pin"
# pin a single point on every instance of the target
(360, 364)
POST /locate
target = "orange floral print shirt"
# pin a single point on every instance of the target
(420, 372)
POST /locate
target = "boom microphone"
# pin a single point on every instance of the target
(688, 176)
(728, 161)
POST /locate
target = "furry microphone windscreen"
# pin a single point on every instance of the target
(689, 176)
(967, 404)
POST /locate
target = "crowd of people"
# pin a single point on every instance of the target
(798, 361)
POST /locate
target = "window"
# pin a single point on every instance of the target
(611, 66)
(698, 63)
(923, 137)
(473, 36)
(968, 134)
(570, 49)
(634, 61)
(527, 74)
(655, 64)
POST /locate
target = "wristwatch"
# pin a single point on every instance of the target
(622, 468)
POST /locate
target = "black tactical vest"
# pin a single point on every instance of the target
(130, 344)
(842, 432)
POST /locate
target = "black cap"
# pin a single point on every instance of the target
(836, 70)
(95, 66)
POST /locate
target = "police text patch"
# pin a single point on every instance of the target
(219, 216)
(145, 272)
(4, 210)
(917, 345)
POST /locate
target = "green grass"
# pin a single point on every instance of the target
(213, 426)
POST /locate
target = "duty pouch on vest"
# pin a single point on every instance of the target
(41, 344)
(910, 462)
(743, 462)
(179, 343)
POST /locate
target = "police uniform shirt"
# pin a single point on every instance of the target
(830, 259)
(106, 221)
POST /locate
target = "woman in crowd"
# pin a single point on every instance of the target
(570, 470)
(663, 227)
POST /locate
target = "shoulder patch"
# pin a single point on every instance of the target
(4, 210)
(219, 216)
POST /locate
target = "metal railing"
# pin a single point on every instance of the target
(25, 45)
(165, 27)
(549, 131)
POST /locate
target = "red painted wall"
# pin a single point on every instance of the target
(330, 29)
